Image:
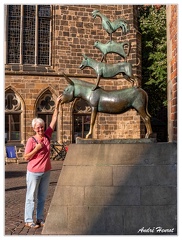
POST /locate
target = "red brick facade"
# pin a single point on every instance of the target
(172, 15)
(74, 32)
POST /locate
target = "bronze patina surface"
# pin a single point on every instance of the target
(112, 102)
(107, 70)
(109, 26)
(113, 47)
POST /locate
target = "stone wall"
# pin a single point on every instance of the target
(116, 189)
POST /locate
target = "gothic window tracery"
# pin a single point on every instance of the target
(12, 116)
(45, 109)
(46, 103)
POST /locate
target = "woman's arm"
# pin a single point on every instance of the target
(55, 114)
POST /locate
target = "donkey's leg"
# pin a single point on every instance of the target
(146, 120)
(148, 126)
(135, 79)
(92, 121)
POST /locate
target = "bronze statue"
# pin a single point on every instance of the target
(109, 26)
(113, 47)
(108, 70)
(112, 102)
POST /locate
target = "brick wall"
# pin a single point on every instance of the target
(74, 32)
(172, 71)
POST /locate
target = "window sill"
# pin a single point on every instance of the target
(27, 69)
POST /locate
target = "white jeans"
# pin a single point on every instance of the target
(37, 189)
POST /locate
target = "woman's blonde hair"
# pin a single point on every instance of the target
(37, 120)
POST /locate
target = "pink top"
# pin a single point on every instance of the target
(40, 162)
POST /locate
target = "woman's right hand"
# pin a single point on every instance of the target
(39, 146)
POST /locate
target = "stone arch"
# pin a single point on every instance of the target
(42, 93)
(13, 98)
(44, 108)
(11, 88)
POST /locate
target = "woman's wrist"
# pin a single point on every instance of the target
(56, 106)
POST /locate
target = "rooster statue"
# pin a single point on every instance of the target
(109, 26)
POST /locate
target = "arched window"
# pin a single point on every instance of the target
(12, 116)
(45, 109)
(28, 34)
(81, 119)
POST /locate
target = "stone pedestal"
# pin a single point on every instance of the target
(123, 189)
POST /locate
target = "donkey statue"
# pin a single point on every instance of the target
(108, 70)
(112, 102)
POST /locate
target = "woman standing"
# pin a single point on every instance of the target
(37, 153)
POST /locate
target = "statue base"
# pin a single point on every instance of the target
(114, 141)
(115, 189)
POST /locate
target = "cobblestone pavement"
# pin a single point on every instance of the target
(15, 190)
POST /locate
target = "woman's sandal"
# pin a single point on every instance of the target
(31, 225)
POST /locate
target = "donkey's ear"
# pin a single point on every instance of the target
(68, 79)
(84, 56)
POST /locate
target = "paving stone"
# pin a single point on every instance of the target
(15, 190)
